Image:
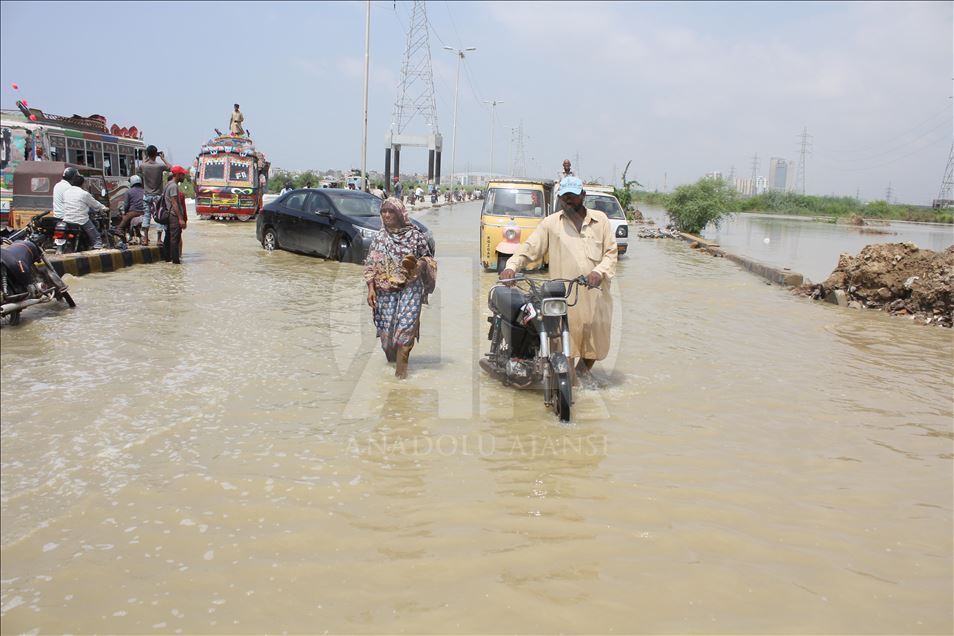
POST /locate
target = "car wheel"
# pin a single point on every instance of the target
(270, 239)
(345, 253)
(14, 318)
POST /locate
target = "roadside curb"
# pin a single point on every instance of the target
(99, 261)
(777, 275)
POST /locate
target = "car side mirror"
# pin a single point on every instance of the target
(323, 212)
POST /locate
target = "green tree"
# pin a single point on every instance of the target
(692, 207)
(625, 195)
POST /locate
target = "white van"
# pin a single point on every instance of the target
(601, 198)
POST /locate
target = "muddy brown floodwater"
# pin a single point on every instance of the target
(221, 448)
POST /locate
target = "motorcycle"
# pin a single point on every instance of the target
(22, 283)
(433, 197)
(530, 337)
(69, 237)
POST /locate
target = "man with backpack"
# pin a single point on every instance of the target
(172, 206)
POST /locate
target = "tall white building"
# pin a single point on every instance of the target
(745, 186)
(781, 175)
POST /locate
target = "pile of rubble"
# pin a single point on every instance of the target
(656, 233)
(898, 278)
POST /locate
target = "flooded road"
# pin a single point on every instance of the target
(221, 448)
(807, 246)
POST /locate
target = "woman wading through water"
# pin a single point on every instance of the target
(400, 271)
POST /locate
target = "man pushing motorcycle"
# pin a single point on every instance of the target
(578, 242)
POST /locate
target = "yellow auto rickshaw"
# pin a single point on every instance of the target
(513, 208)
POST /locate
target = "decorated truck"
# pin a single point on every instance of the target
(231, 177)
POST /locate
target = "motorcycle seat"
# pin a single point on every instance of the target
(508, 301)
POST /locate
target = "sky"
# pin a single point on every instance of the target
(680, 89)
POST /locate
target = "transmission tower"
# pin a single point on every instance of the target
(755, 174)
(519, 157)
(416, 104)
(806, 149)
(888, 193)
(945, 196)
(731, 179)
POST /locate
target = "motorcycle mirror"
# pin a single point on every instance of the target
(103, 192)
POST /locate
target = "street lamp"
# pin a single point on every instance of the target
(493, 129)
(460, 56)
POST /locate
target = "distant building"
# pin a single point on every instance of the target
(781, 175)
(715, 174)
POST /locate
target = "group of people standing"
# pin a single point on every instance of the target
(146, 196)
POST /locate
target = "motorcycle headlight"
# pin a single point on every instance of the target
(553, 307)
(622, 231)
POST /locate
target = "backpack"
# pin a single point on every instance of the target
(161, 213)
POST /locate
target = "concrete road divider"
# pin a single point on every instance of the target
(97, 261)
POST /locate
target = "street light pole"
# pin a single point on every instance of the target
(460, 56)
(364, 138)
(493, 129)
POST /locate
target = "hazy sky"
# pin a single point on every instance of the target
(679, 88)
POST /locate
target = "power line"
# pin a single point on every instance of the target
(946, 110)
(890, 150)
(884, 163)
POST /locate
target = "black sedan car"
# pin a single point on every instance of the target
(329, 222)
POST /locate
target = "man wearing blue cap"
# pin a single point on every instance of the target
(579, 242)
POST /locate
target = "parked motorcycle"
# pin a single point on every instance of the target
(22, 283)
(530, 337)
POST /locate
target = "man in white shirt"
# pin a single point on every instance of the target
(77, 203)
(62, 186)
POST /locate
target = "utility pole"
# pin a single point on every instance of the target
(805, 149)
(493, 129)
(755, 174)
(460, 57)
(888, 193)
(576, 162)
(665, 179)
(364, 136)
(945, 194)
(520, 160)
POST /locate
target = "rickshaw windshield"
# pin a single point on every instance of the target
(607, 205)
(513, 202)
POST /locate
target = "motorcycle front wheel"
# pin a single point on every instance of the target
(559, 390)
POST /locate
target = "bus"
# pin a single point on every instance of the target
(29, 134)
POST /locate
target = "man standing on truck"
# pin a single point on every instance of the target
(152, 172)
(235, 123)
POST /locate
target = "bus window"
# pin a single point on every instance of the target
(57, 148)
(125, 166)
(213, 169)
(240, 172)
(94, 154)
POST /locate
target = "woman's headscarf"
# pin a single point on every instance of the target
(393, 203)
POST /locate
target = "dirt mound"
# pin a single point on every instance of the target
(896, 277)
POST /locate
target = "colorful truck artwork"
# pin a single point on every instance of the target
(231, 177)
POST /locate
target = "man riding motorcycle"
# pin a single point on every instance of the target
(77, 203)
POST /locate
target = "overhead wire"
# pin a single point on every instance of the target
(888, 151)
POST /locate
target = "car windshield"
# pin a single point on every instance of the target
(607, 205)
(351, 205)
(513, 202)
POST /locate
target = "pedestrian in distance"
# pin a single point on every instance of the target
(177, 215)
(400, 271)
(579, 242)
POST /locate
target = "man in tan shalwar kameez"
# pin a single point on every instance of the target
(235, 122)
(579, 242)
